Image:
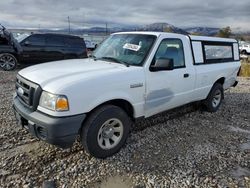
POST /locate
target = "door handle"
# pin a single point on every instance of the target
(186, 75)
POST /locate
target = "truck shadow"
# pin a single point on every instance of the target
(178, 112)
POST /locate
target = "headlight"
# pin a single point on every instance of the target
(54, 102)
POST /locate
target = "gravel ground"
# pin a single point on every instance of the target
(185, 147)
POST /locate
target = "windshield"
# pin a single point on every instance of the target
(131, 49)
(21, 37)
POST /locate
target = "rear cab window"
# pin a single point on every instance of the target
(207, 52)
(217, 52)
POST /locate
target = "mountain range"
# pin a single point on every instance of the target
(163, 27)
(207, 31)
(150, 27)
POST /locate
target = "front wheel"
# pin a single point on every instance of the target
(8, 61)
(214, 99)
(105, 131)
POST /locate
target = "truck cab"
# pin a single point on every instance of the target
(131, 75)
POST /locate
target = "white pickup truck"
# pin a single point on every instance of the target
(245, 48)
(130, 75)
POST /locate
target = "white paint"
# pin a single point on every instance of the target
(216, 39)
(236, 51)
(198, 55)
(245, 47)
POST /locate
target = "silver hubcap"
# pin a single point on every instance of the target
(217, 98)
(110, 133)
(7, 61)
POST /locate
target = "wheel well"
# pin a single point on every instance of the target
(221, 81)
(123, 104)
(11, 53)
(16, 56)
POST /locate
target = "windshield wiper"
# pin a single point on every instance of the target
(115, 60)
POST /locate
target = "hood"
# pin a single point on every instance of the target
(68, 71)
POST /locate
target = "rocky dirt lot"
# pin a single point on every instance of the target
(185, 147)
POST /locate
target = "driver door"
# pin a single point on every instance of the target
(170, 88)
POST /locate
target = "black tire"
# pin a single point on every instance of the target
(8, 61)
(244, 52)
(214, 98)
(91, 137)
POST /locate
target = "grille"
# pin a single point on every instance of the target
(28, 93)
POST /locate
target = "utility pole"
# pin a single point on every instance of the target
(83, 23)
(83, 28)
(69, 24)
(106, 28)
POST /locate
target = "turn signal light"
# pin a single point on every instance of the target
(62, 104)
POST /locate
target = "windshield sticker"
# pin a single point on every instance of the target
(133, 47)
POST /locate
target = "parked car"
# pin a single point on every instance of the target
(131, 75)
(245, 48)
(9, 49)
(39, 48)
(90, 45)
(93, 41)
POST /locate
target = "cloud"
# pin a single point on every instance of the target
(181, 13)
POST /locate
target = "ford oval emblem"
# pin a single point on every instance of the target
(20, 91)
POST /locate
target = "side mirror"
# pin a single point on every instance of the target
(162, 64)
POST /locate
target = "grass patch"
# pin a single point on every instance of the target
(245, 67)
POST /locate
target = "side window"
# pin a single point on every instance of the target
(36, 40)
(54, 41)
(171, 49)
(74, 42)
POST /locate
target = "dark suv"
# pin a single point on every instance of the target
(38, 48)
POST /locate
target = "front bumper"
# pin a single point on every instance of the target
(59, 131)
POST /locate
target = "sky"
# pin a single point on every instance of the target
(83, 13)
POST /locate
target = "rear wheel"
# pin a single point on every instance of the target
(214, 99)
(105, 131)
(8, 61)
